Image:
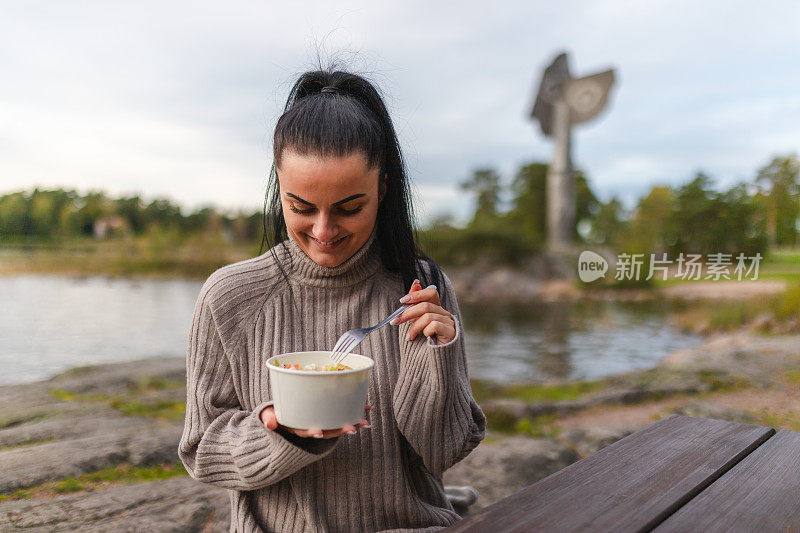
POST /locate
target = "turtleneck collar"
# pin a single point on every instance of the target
(357, 268)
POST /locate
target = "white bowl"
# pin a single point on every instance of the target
(306, 399)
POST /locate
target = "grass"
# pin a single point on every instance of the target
(704, 316)
(116, 475)
(151, 383)
(16, 421)
(792, 377)
(27, 443)
(786, 420)
(141, 256)
(539, 427)
(553, 392)
(160, 409)
(128, 405)
(719, 382)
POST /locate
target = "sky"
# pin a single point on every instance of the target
(180, 99)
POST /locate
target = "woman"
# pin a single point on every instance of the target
(343, 252)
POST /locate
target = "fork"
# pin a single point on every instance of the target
(350, 339)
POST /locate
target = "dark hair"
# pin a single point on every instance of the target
(349, 116)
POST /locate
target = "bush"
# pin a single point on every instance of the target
(461, 247)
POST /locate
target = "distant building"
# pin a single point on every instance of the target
(109, 226)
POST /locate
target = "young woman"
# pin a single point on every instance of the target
(342, 254)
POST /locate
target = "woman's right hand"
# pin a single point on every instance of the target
(269, 420)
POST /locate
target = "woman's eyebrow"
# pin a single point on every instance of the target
(353, 197)
(340, 202)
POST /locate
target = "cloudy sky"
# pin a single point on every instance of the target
(179, 99)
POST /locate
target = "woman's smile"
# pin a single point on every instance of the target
(330, 245)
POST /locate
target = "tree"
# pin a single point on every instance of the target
(132, 209)
(696, 211)
(586, 203)
(485, 183)
(653, 225)
(609, 224)
(779, 186)
(530, 201)
(14, 216)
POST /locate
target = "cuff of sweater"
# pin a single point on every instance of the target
(265, 449)
(427, 361)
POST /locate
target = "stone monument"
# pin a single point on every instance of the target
(561, 102)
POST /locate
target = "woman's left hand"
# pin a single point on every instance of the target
(429, 318)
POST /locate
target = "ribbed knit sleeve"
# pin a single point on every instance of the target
(432, 399)
(223, 444)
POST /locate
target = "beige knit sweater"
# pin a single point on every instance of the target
(386, 477)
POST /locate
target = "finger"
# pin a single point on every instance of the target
(428, 294)
(367, 407)
(269, 419)
(416, 311)
(442, 331)
(420, 324)
(363, 424)
(306, 433)
(349, 429)
(415, 286)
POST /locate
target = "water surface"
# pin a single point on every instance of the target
(50, 323)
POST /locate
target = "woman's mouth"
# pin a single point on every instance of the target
(329, 245)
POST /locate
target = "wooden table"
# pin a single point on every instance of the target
(679, 474)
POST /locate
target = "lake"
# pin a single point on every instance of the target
(50, 323)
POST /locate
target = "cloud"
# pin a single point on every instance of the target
(180, 99)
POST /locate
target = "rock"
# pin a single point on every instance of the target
(589, 439)
(711, 410)
(498, 469)
(737, 357)
(626, 395)
(120, 378)
(179, 504)
(64, 427)
(139, 442)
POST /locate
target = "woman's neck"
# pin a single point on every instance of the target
(355, 269)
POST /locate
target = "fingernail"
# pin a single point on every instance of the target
(317, 435)
(367, 426)
(431, 287)
(395, 321)
(353, 432)
(406, 298)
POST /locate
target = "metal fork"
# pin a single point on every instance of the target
(350, 339)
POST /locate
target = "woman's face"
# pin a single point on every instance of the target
(329, 204)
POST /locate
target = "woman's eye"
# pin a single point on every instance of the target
(344, 211)
(301, 211)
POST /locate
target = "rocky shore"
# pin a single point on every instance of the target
(95, 448)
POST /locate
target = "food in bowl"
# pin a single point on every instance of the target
(313, 366)
(306, 396)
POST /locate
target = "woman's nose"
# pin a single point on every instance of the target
(325, 229)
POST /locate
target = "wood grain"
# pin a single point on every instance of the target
(761, 493)
(632, 485)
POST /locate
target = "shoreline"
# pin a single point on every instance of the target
(502, 285)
